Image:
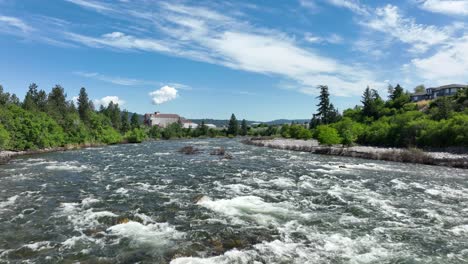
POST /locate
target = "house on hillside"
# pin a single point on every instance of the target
(434, 92)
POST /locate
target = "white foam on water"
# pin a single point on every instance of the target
(67, 166)
(460, 230)
(399, 185)
(434, 192)
(252, 208)
(9, 201)
(230, 257)
(72, 241)
(80, 217)
(284, 183)
(122, 191)
(37, 246)
(156, 235)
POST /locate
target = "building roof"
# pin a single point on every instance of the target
(449, 86)
(165, 115)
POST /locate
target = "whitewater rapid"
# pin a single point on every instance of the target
(147, 203)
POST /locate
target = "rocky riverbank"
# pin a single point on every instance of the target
(375, 153)
(6, 156)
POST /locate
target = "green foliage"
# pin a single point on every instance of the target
(30, 130)
(136, 135)
(327, 113)
(4, 138)
(233, 126)
(441, 108)
(420, 88)
(174, 130)
(155, 132)
(244, 128)
(349, 130)
(84, 105)
(285, 131)
(372, 104)
(134, 121)
(57, 106)
(125, 125)
(327, 135)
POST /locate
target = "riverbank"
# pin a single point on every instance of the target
(7, 155)
(374, 153)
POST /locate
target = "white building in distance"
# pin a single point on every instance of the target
(164, 120)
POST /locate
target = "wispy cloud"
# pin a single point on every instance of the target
(205, 35)
(389, 20)
(97, 6)
(12, 24)
(448, 7)
(114, 79)
(447, 65)
(125, 81)
(353, 5)
(332, 39)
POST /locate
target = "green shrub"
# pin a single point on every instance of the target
(4, 138)
(327, 135)
(136, 135)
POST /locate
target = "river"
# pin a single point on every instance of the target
(147, 203)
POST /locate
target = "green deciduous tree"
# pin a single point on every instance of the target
(4, 138)
(136, 135)
(327, 135)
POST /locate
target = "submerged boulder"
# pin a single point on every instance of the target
(189, 150)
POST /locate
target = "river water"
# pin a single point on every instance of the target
(147, 203)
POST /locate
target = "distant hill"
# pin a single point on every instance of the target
(224, 122)
(287, 121)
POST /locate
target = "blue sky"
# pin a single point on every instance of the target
(261, 60)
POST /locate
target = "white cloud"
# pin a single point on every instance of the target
(332, 39)
(421, 37)
(353, 5)
(107, 99)
(120, 40)
(205, 35)
(449, 7)
(448, 65)
(8, 23)
(310, 4)
(91, 5)
(114, 79)
(163, 95)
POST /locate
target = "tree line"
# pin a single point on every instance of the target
(395, 122)
(47, 120)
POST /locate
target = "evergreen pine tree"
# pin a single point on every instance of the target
(203, 129)
(134, 121)
(233, 126)
(31, 98)
(57, 105)
(325, 110)
(244, 127)
(84, 105)
(125, 125)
